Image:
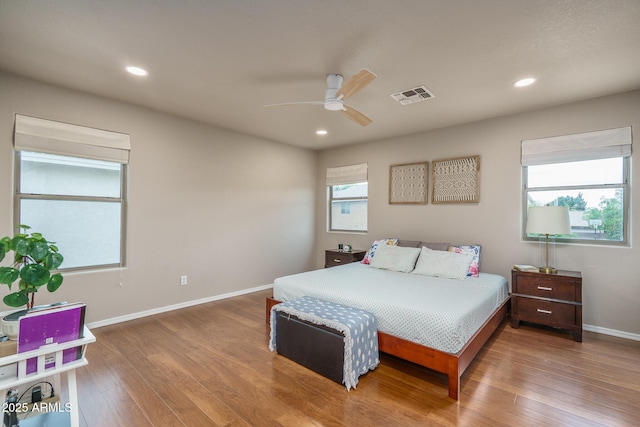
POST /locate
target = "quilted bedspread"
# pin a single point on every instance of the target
(358, 327)
(431, 311)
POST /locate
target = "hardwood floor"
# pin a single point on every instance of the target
(210, 365)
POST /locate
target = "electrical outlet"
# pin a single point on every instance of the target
(183, 280)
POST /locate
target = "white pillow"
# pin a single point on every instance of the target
(395, 258)
(450, 265)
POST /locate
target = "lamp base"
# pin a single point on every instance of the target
(548, 270)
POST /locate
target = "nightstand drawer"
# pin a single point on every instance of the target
(545, 312)
(546, 288)
(333, 258)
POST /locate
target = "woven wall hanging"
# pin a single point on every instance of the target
(408, 183)
(456, 180)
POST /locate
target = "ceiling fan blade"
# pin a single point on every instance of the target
(355, 115)
(296, 103)
(356, 83)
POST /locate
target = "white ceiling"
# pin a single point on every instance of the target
(220, 61)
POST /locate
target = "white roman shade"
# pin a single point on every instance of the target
(577, 147)
(347, 174)
(46, 136)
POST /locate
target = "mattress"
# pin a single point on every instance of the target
(431, 311)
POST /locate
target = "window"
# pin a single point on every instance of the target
(348, 198)
(592, 181)
(77, 201)
(348, 207)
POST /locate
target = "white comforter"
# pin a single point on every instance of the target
(435, 312)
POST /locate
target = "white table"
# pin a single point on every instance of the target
(20, 378)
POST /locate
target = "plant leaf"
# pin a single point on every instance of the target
(3, 252)
(35, 274)
(39, 251)
(16, 299)
(54, 282)
(6, 242)
(21, 245)
(53, 260)
(8, 275)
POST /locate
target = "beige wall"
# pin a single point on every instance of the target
(611, 276)
(233, 211)
(229, 210)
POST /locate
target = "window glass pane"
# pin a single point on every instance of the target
(351, 218)
(72, 176)
(595, 214)
(349, 207)
(590, 172)
(86, 233)
(350, 190)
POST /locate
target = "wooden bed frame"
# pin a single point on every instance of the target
(453, 365)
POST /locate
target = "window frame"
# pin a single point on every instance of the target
(626, 208)
(331, 199)
(18, 197)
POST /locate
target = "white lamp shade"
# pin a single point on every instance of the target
(548, 220)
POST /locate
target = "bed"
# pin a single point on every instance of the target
(436, 321)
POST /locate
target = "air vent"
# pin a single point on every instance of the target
(412, 96)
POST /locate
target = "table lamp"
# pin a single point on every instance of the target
(548, 220)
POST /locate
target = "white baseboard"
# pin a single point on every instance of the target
(612, 332)
(159, 310)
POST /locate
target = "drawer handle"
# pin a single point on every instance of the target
(544, 311)
(544, 288)
(337, 260)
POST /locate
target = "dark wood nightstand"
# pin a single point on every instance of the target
(334, 257)
(548, 299)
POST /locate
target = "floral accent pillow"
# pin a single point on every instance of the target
(372, 250)
(474, 267)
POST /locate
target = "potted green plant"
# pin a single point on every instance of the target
(34, 260)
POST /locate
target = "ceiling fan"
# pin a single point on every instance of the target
(337, 92)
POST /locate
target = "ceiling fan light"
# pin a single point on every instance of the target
(333, 105)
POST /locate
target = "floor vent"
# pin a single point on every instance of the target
(412, 96)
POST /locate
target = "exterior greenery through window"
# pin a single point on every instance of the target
(596, 192)
(348, 207)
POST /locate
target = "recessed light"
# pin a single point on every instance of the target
(525, 82)
(321, 132)
(137, 71)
